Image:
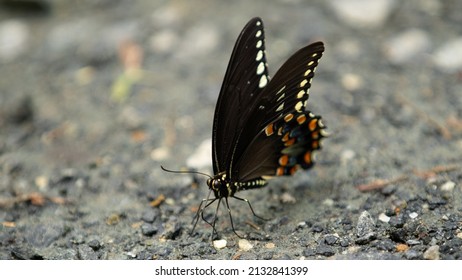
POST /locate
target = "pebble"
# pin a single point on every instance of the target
(448, 186)
(201, 157)
(244, 245)
(346, 156)
(324, 250)
(331, 239)
(149, 216)
(352, 82)
(44, 235)
(287, 198)
(164, 41)
(384, 218)
(14, 35)
(363, 13)
(365, 228)
(86, 253)
(406, 46)
(199, 40)
(148, 229)
(448, 57)
(328, 202)
(412, 254)
(432, 253)
(219, 244)
(413, 215)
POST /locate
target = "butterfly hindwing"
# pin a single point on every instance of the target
(245, 77)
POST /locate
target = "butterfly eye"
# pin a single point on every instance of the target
(209, 182)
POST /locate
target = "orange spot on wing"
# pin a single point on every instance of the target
(283, 160)
(290, 142)
(269, 130)
(288, 117)
(307, 157)
(280, 171)
(301, 119)
(313, 124)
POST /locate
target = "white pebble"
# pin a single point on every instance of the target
(363, 13)
(219, 244)
(14, 35)
(448, 58)
(384, 218)
(201, 157)
(413, 215)
(245, 245)
(407, 46)
(448, 186)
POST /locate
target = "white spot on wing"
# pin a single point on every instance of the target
(279, 91)
(281, 97)
(259, 55)
(263, 81)
(258, 34)
(299, 106)
(259, 44)
(280, 107)
(260, 68)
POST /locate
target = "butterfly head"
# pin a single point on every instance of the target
(221, 186)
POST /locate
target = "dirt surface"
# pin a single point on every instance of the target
(95, 95)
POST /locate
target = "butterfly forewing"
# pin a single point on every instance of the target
(245, 77)
(279, 136)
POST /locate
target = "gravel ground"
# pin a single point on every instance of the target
(95, 95)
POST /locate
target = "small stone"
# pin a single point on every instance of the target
(362, 13)
(412, 254)
(244, 245)
(86, 253)
(407, 45)
(324, 250)
(160, 153)
(352, 82)
(413, 215)
(309, 252)
(148, 229)
(202, 155)
(384, 218)
(459, 235)
(328, 202)
(413, 242)
(14, 35)
(346, 156)
(287, 198)
(365, 228)
(270, 245)
(432, 253)
(42, 182)
(150, 215)
(331, 239)
(402, 247)
(95, 244)
(448, 57)
(448, 186)
(219, 244)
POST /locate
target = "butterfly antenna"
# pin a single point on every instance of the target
(185, 172)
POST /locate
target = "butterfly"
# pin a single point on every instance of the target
(261, 128)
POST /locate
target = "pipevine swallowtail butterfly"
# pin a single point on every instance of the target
(261, 128)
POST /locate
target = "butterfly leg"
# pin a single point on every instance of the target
(251, 209)
(231, 219)
(200, 211)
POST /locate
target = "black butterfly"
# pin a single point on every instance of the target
(260, 127)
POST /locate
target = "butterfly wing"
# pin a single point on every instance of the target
(280, 136)
(245, 77)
